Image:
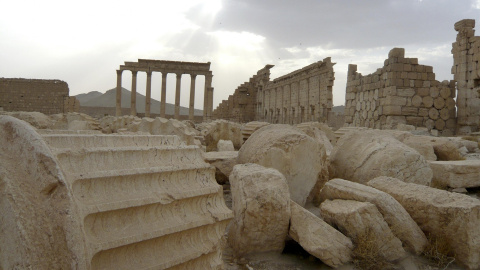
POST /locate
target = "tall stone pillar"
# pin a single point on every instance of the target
(118, 111)
(206, 106)
(133, 98)
(177, 96)
(210, 103)
(148, 94)
(191, 108)
(164, 95)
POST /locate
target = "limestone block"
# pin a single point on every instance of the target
(319, 238)
(222, 130)
(225, 145)
(427, 101)
(319, 136)
(417, 101)
(445, 215)
(446, 150)
(36, 119)
(439, 103)
(400, 222)
(354, 219)
(261, 208)
(439, 124)
(362, 156)
(406, 92)
(251, 127)
(223, 162)
(445, 92)
(296, 155)
(456, 174)
(426, 150)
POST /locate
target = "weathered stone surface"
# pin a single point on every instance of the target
(261, 208)
(221, 130)
(456, 174)
(34, 202)
(295, 154)
(224, 145)
(446, 215)
(354, 218)
(319, 238)
(400, 222)
(223, 162)
(319, 135)
(36, 119)
(447, 151)
(363, 155)
(250, 127)
(425, 149)
(138, 196)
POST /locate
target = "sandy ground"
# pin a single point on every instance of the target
(294, 257)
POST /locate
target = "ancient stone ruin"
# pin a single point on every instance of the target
(33, 95)
(165, 67)
(383, 192)
(301, 96)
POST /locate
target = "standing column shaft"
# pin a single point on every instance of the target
(133, 98)
(148, 94)
(191, 108)
(177, 97)
(164, 95)
(118, 111)
(210, 103)
(208, 85)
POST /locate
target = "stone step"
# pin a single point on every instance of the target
(163, 252)
(113, 229)
(110, 190)
(72, 132)
(106, 158)
(80, 141)
(456, 174)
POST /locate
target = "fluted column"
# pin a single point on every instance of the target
(208, 85)
(148, 94)
(133, 98)
(191, 108)
(177, 96)
(118, 111)
(164, 94)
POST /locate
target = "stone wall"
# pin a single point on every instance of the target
(241, 106)
(33, 95)
(402, 91)
(300, 96)
(466, 71)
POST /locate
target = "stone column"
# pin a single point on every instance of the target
(208, 85)
(118, 111)
(191, 109)
(177, 96)
(148, 94)
(133, 98)
(210, 103)
(164, 94)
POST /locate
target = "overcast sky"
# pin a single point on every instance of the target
(84, 42)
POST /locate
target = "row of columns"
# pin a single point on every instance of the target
(208, 95)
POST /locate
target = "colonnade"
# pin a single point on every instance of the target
(165, 67)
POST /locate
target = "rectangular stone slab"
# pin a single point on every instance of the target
(456, 174)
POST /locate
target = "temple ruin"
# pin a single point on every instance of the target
(165, 67)
(402, 91)
(466, 72)
(300, 96)
(34, 95)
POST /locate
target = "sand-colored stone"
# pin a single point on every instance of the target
(225, 145)
(223, 162)
(426, 150)
(319, 238)
(400, 222)
(319, 135)
(261, 208)
(363, 155)
(138, 196)
(221, 130)
(251, 127)
(456, 174)
(446, 215)
(295, 154)
(355, 218)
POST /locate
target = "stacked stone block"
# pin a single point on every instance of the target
(33, 95)
(402, 91)
(466, 71)
(242, 105)
(300, 96)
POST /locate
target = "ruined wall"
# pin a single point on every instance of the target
(241, 106)
(33, 95)
(466, 71)
(402, 91)
(300, 96)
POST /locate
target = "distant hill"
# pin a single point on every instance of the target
(97, 99)
(339, 109)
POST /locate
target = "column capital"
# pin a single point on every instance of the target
(149, 73)
(164, 74)
(119, 71)
(193, 76)
(134, 72)
(179, 75)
